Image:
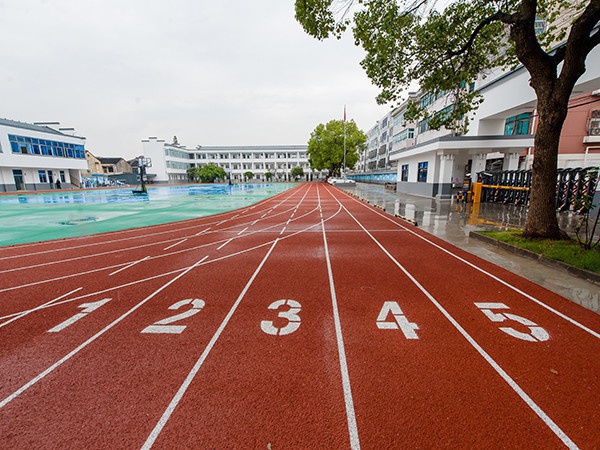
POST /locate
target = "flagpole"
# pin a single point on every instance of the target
(344, 165)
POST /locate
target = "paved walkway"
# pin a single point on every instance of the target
(453, 222)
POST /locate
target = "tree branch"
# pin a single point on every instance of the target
(497, 16)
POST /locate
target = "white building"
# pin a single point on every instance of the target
(500, 136)
(170, 162)
(36, 156)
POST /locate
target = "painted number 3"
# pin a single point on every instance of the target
(536, 333)
(291, 315)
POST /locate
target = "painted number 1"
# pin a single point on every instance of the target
(86, 309)
(536, 333)
(291, 315)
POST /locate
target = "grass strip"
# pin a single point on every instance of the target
(569, 252)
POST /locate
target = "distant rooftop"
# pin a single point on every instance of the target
(34, 127)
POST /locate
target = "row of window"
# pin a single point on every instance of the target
(34, 146)
(421, 172)
(178, 154)
(407, 133)
(47, 176)
(221, 156)
(518, 124)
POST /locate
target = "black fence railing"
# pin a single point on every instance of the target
(513, 187)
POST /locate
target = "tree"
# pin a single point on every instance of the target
(326, 146)
(210, 172)
(268, 176)
(446, 51)
(248, 175)
(297, 172)
(192, 173)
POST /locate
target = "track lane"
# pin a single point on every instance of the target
(284, 390)
(535, 365)
(418, 398)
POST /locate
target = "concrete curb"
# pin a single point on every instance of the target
(581, 273)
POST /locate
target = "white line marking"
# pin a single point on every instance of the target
(282, 230)
(190, 377)
(253, 223)
(37, 308)
(72, 275)
(520, 392)
(505, 283)
(128, 266)
(176, 243)
(352, 426)
(201, 232)
(242, 231)
(72, 353)
(71, 247)
(224, 244)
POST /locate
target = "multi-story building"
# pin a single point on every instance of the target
(37, 156)
(500, 134)
(170, 162)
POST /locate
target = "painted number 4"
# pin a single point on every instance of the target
(399, 320)
(536, 333)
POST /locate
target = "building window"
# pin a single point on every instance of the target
(422, 172)
(517, 124)
(42, 176)
(404, 174)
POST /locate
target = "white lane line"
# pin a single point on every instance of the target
(37, 308)
(515, 387)
(242, 231)
(176, 243)
(119, 250)
(283, 230)
(350, 414)
(505, 283)
(201, 232)
(128, 266)
(253, 223)
(190, 377)
(224, 244)
(72, 275)
(117, 233)
(72, 353)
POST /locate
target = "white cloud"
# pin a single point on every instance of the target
(212, 73)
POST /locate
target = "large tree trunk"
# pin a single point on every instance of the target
(541, 216)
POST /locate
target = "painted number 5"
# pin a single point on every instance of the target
(291, 315)
(536, 333)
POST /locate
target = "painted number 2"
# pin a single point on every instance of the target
(291, 315)
(536, 333)
(164, 325)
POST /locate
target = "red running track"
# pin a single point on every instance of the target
(309, 320)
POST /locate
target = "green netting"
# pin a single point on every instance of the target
(61, 214)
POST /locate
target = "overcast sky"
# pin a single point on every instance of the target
(220, 72)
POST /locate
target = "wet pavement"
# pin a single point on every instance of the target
(453, 221)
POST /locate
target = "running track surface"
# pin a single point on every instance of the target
(309, 320)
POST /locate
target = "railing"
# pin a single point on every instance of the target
(514, 186)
